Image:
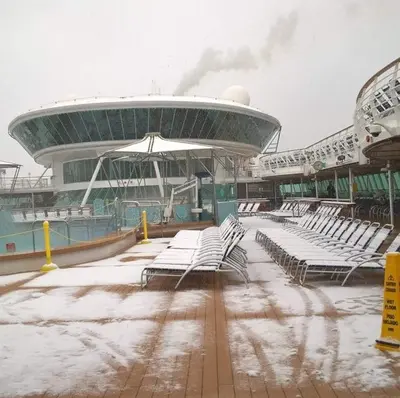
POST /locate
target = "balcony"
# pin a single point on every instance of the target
(26, 184)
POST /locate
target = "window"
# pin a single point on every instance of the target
(130, 124)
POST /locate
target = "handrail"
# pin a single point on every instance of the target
(372, 78)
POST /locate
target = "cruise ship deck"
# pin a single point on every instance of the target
(90, 331)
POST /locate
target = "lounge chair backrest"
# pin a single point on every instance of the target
(358, 233)
(315, 222)
(350, 230)
(333, 210)
(320, 225)
(377, 241)
(319, 210)
(328, 210)
(248, 207)
(395, 245)
(328, 226)
(241, 207)
(251, 207)
(304, 219)
(311, 221)
(343, 228)
(285, 206)
(307, 220)
(234, 242)
(369, 233)
(338, 209)
(335, 226)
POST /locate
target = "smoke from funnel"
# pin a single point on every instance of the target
(280, 36)
(369, 8)
(215, 61)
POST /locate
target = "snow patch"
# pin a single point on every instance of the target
(67, 358)
(14, 278)
(179, 338)
(89, 276)
(239, 299)
(60, 305)
(188, 300)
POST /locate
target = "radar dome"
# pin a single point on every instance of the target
(236, 94)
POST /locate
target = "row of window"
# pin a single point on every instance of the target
(370, 183)
(130, 124)
(82, 170)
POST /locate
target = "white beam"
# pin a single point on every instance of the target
(93, 179)
(159, 179)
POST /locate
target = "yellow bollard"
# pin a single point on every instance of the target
(390, 332)
(49, 266)
(144, 221)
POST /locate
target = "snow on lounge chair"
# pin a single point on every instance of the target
(329, 256)
(368, 259)
(277, 243)
(254, 210)
(241, 207)
(351, 234)
(212, 251)
(297, 209)
(286, 205)
(246, 209)
(363, 237)
(189, 239)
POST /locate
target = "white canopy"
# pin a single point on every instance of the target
(8, 165)
(154, 144)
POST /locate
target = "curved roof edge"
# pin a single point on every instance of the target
(149, 101)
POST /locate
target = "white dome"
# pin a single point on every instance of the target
(236, 94)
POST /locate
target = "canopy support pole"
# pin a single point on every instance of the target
(41, 176)
(159, 180)
(188, 175)
(214, 191)
(92, 180)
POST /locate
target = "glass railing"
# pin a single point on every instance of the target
(25, 183)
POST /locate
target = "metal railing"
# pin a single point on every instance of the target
(26, 183)
(339, 148)
(379, 100)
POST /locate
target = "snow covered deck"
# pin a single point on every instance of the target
(89, 331)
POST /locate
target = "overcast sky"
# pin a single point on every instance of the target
(302, 61)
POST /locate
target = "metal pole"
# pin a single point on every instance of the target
(40, 178)
(33, 204)
(215, 205)
(351, 191)
(247, 191)
(291, 188)
(390, 185)
(158, 176)
(336, 186)
(316, 187)
(93, 179)
(188, 174)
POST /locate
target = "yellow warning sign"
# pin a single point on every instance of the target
(390, 332)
